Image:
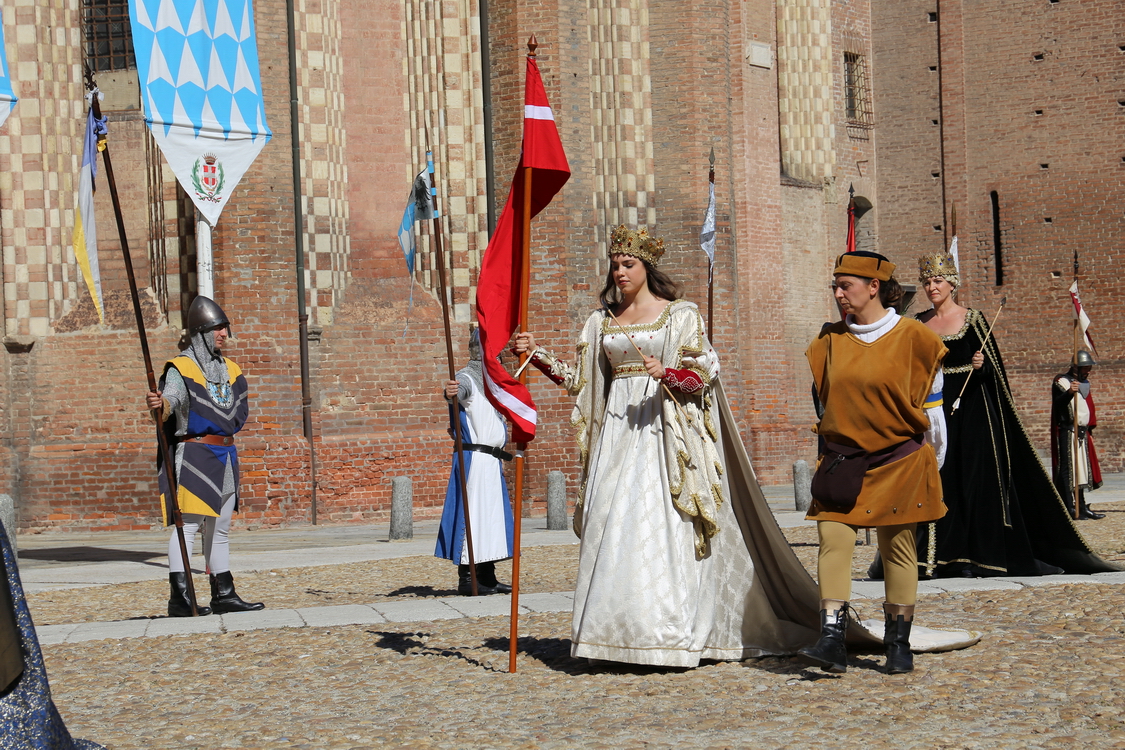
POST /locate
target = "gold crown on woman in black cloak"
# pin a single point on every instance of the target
(638, 243)
(938, 264)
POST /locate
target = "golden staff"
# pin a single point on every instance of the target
(957, 403)
(663, 385)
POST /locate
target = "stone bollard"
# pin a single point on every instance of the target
(802, 485)
(402, 508)
(556, 501)
(8, 516)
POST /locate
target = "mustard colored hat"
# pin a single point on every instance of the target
(865, 264)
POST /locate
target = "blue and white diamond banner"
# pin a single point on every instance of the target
(197, 61)
(7, 95)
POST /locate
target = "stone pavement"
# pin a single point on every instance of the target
(422, 669)
(67, 561)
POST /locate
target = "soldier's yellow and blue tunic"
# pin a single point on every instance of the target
(205, 473)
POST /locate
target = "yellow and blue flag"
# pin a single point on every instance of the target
(85, 228)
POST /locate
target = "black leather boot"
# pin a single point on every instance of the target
(465, 582)
(1085, 512)
(829, 653)
(225, 599)
(486, 574)
(896, 637)
(179, 605)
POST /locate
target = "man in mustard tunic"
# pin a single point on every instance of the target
(204, 398)
(878, 376)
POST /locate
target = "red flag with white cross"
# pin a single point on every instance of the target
(498, 287)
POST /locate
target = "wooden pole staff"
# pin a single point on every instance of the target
(517, 503)
(1074, 405)
(454, 407)
(711, 265)
(957, 403)
(157, 414)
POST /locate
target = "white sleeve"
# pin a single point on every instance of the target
(936, 435)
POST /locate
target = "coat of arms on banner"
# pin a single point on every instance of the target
(208, 178)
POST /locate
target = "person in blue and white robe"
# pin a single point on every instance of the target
(483, 435)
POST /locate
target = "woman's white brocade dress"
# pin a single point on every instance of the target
(641, 595)
(665, 578)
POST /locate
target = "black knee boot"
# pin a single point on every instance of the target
(486, 575)
(829, 653)
(179, 605)
(225, 599)
(465, 581)
(896, 637)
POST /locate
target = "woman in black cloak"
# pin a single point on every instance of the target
(1005, 517)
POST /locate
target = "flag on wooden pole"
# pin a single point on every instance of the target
(707, 234)
(419, 207)
(1082, 318)
(498, 297)
(85, 229)
(850, 246)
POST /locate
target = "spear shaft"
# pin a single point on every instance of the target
(454, 407)
(171, 498)
(521, 448)
(1074, 404)
(711, 265)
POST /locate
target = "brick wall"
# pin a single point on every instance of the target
(637, 119)
(1032, 114)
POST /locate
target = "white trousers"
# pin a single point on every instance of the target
(216, 540)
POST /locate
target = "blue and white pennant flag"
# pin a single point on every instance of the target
(707, 233)
(420, 206)
(197, 61)
(8, 97)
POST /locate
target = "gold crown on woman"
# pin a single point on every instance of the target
(938, 264)
(638, 243)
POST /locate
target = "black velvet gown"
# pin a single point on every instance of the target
(1005, 516)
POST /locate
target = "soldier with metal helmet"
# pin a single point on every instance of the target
(204, 398)
(1075, 468)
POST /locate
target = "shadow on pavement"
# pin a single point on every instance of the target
(422, 591)
(90, 554)
(414, 643)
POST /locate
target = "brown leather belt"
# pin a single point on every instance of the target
(212, 439)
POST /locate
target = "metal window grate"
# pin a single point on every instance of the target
(857, 95)
(107, 38)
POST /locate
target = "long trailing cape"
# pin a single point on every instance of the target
(1005, 512)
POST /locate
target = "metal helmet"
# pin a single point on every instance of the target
(1083, 359)
(206, 315)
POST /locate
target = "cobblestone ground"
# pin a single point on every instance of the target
(1049, 673)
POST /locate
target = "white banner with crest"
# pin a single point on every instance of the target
(197, 61)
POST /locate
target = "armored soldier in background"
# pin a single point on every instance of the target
(1066, 461)
(204, 397)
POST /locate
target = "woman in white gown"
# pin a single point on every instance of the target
(680, 556)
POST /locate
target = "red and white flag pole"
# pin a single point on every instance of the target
(503, 285)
